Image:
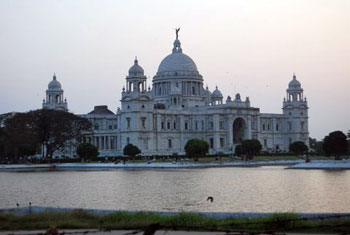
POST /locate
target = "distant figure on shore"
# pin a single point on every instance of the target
(17, 204)
(211, 199)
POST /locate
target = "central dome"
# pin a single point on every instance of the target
(177, 61)
(177, 65)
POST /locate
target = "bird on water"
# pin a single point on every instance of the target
(210, 198)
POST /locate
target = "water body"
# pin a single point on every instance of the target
(258, 189)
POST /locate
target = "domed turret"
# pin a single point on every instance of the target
(136, 80)
(54, 84)
(216, 93)
(54, 96)
(294, 91)
(216, 96)
(136, 69)
(294, 84)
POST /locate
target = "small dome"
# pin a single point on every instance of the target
(136, 69)
(206, 92)
(294, 83)
(216, 93)
(54, 84)
(238, 97)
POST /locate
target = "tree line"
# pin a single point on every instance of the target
(32, 132)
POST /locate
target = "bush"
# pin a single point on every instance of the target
(298, 147)
(131, 150)
(87, 151)
(251, 147)
(196, 148)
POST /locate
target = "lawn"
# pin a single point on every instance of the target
(79, 219)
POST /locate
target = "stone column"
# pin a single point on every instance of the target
(229, 132)
(159, 129)
(181, 128)
(249, 128)
(216, 121)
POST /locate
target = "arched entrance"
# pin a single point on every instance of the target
(238, 128)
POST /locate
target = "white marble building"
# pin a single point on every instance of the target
(160, 120)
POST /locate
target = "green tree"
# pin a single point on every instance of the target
(335, 143)
(131, 150)
(87, 151)
(18, 132)
(196, 148)
(251, 147)
(50, 128)
(298, 147)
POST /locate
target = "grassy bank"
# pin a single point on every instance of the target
(79, 219)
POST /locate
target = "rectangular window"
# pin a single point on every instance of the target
(222, 127)
(289, 126)
(202, 125)
(143, 122)
(174, 125)
(110, 127)
(263, 127)
(128, 122)
(268, 126)
(162, 125)
(211, 125)
(170, 144)
(222, 142)
(277, 127)
(265, 142)
(145, 143)
(186, 126)
(196, 125)
(168, 125)
(128, 140)
(211, 142)
(302, 125)
(96, 126)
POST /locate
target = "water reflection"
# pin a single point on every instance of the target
(263, 189)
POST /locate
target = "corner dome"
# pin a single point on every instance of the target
(216, 93)
(294, 84)
(136, 69)
(54, 84)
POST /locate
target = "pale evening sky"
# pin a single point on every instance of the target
(246, 46)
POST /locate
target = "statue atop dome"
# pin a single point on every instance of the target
(177, 32)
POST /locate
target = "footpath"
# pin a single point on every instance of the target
(290, 164)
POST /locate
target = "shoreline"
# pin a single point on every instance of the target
(290, 164)
(22, 211)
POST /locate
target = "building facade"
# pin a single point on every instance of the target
(161, 118)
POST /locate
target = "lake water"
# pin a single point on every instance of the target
(258, 189)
